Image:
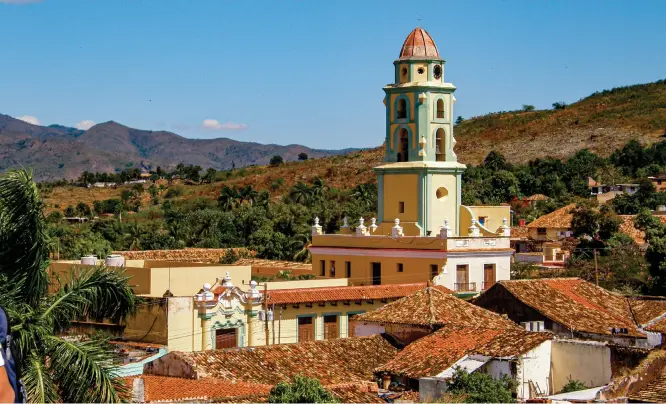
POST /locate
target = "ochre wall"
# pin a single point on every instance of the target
(495, 215)
(445, 208)
(187, 281)
(149, 324)
(552, 233)
(414, 269)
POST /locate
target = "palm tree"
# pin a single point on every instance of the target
(365, 194)
(134, 233)
(301, 193)
(228, 198)
(319, 188)
(248, 194)
(55, 369)
(302, 242)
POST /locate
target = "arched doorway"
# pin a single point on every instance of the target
(403, 144)
(440, 145)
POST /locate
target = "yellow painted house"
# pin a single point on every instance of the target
(423, 232)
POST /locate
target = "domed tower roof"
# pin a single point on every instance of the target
(419, 44)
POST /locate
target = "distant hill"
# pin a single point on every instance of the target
(57, 151)
(602, 122)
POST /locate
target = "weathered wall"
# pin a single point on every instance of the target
(149, 324)
(589, 362)
(535, 367)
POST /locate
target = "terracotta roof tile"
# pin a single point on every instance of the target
(558, 219)
(653, 392)
(419, 44)
(575, 303)
(658, 326)
(312, 295)
(647, 308)
(519, 233)
(433, 354)
(432, 307)
(170, 389)
(330, 361)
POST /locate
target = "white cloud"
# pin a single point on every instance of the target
(85, 124)
(29, 118)
(213, 124)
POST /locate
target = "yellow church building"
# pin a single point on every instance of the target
(423, 232)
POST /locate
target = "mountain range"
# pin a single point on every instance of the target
(56, 151)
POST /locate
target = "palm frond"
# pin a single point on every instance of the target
(24, 244)
(84, 371)
(98, 293)
(39, 385)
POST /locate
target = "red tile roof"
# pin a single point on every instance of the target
(430, 307)
(647, 308)
(313, 295)
(170, 389)
(536, 197)
(558, 219)
(419, 44)
(657, 326)
(433, 354)
(330, 361)
(573, 302)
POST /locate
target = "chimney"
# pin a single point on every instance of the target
(521, 222)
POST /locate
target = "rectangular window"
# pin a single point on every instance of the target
(376, 273)
(434, 270)
(348, 269)
(225, 338)
(305, 329)
(331, 329)
(483, 220)
(541, 231)
(322, 270)
(332, 269)
(401, 207)
(400, 268)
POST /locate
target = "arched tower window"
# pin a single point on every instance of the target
(440, 145)
(402, 109)
(403, 144)
(440, 108)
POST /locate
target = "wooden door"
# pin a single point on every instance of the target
(488, 275)
(331, 329)
(225, 338)
(305, 329)
(462, 278)
(376, 273)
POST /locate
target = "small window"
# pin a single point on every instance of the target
(348, 269)
(420, 70)
(322, 267)
(483, 220)
(401, 207)
(400, 268)
(434, 270)
(332, 269)
(541, 231)
(402, 108)
(440, 108)
(437, 71)
(403, 71)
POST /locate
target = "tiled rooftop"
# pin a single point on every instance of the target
(171, 389)
(433, 354)
(658, 326)
(559, 219)
(653, 392)
(331, 361)
(351, 293)
(536, 197)
(431, 307)
(647, 308)
(519, 233)
(573, 302)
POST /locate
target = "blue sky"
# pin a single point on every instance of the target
(307, 71)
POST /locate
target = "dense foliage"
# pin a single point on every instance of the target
(301, 390)
(55, 368)
(477, 387)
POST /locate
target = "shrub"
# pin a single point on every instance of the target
(229, 257)
(559, 105)
(479, 387)
(302, 156)
(302, 390)
(276, 161)
(174, 192)
(573, 385)
(528, 107)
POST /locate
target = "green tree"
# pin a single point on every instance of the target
(480, 387)
(559, 105)
(528, 107)
(495, 161)
(655, 235)
(301, 390)
(301, 193)
(229, 257)
(210, 175)
(55, 369)
(70, 211)
(319, 188)
(302, 244)
(229, 197)
(302, 156)
(83, 210)
(459, 120)
(573, 385)
(276, 161)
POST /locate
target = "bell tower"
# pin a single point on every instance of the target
(420, 180)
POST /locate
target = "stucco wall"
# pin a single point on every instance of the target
(149, 324)
(401, 188)
(187, 281)
(535, 367)
(475, 262)
(494, 214)
(588, 362)
(444, 208)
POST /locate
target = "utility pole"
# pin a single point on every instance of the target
(596, 269)
(266, 310)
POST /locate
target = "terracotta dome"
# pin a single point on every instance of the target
(419, 44)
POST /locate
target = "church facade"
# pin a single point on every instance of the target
(423, 232)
